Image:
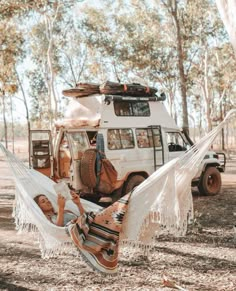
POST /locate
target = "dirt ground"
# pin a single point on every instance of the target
(203, 260)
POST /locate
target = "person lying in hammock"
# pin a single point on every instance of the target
(63, 216)
(95, 235)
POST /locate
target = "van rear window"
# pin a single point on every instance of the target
(131, 108)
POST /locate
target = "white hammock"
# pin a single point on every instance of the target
(162, 203)
(227, 9)
(165, 198)
(29, 217)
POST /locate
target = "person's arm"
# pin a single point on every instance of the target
(61, 205)
(76, 200)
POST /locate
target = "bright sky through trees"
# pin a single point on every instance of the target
(66, 42)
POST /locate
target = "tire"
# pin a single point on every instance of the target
(87, 168)
(133, 182)
(210, 182)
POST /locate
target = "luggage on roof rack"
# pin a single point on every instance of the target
(110, 88)
(133, 89)
(82, 90)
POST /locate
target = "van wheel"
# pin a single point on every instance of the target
(133, 182)
(210, 182)
(87, 168)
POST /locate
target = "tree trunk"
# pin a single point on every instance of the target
(27, 113)
(51, 89)
(183, 85)
(206, 93)
(222, 131)
(12, 129)
(4, 120)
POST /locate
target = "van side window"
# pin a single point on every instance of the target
(130, 108)
(175, 142)
(120, 139)
(145, 137)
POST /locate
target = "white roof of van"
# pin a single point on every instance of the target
(94, 108)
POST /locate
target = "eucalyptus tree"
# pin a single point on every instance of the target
(224, 85)
(209, 66)
(12, 15)
(131, 44)
(173, 8)
(43, 23)
(10, 48)
(195, 25)
(165, 43)
(41, 40)
(57, 51)
(160, 42)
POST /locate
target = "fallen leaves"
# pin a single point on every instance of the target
(171, 284)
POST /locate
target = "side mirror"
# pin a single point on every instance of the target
(162, 96)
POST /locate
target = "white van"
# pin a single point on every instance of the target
(136, 134)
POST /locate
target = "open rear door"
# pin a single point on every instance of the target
(41, 151)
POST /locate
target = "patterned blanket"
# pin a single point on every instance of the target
(97, 236)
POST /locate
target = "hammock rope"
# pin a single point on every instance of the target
(161, 204)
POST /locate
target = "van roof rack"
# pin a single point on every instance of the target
(109, 98)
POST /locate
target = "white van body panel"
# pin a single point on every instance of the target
(158, 116)
(146, 141)
(128, 160)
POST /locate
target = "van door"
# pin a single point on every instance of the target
(78, 142)
(41, 151)
(177, 144)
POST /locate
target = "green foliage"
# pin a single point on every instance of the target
(12, 8)
(38, 97)
(68, 43)
(11, 41)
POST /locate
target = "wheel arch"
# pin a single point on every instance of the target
(208, 165)
(129, 177)
(131, 174)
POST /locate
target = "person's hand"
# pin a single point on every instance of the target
(75, 197)
(61, 201)
(76, 200)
